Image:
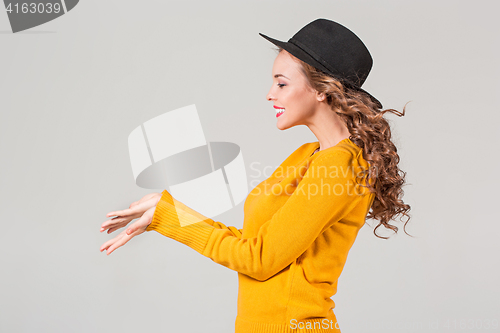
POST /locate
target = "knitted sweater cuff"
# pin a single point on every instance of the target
(177, 221)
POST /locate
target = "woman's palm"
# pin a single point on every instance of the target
(135, 229)
(143, 210)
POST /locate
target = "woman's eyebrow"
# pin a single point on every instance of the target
(278, 75)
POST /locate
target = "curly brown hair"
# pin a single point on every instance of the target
(370, 131)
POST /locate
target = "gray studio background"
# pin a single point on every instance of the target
(74, 88)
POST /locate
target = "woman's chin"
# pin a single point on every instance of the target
(282, 126)
(283, 123)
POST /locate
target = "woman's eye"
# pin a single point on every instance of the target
(281, 85)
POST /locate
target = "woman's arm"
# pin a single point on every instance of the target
(195, 215)
(236, 232)
(325, 195)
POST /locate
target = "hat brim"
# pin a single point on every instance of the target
(305, 57)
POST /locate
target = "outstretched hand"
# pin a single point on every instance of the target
(143, 209)
(135, 229)
(135, 210)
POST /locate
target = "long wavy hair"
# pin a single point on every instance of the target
(370, 131)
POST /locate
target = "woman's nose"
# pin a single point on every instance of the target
(269, 96)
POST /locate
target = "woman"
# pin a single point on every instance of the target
(301, 222)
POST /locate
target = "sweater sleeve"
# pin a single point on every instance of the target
(325, 194)
(237, 232)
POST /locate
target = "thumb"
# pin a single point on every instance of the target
(143, 222)
(131, 229)
(138, 225)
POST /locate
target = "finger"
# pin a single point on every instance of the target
(115, 228)
(108, 244)
(132, 229)
(112, 228)
(120, 213)
(122, 241)
(114, 223)
(139, 226)
(132, 211)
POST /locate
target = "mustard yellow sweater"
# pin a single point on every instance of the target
(299, 225)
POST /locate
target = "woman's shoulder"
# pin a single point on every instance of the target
(299, 155)
(345, 150)
(344, 147)
(302, 152)
(345, 159)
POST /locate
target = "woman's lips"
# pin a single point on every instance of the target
(279, 111)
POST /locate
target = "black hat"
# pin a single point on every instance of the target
(333, 49)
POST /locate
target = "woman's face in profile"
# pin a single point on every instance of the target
(291, 93)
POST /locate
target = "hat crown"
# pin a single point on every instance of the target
(333, 49)
(336, 48)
